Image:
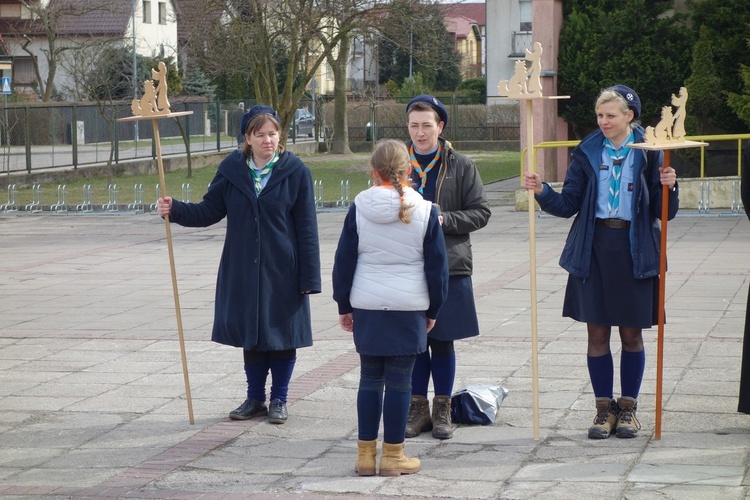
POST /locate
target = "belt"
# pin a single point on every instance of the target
(614, 223)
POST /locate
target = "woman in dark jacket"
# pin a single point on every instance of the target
(270, 261)
(744, 404)
(450, 180)
(612, 250)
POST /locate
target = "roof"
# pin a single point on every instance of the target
(476, 11)
(194, 15)
(105, 18)
(460, 26)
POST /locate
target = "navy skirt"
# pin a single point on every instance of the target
(458, 316)
(390, 333)
(610, 296)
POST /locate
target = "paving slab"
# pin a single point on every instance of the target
(93, 403)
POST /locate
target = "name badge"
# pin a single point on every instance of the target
(603, 167)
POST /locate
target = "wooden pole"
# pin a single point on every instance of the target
(530, 158)
(163, 188)
(662, 296)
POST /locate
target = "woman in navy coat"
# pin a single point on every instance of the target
(612, 250)
(270, 262)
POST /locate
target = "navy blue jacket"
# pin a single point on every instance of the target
(271, 253)
(579, 194)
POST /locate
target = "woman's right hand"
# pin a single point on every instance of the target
(531, 180)
(430, 324)
(164, 206)
(346, 322)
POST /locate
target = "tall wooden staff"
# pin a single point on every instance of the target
(668, 134)
(154, 105)
(526, 85)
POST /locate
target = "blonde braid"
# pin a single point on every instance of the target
(390, 160)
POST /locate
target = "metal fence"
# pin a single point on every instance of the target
(46, 136)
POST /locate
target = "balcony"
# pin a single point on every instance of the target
(521, 41)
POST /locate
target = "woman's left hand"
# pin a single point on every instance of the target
(668, 176)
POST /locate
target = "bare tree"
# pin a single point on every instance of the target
(91, 67)
(55, 23)
(282, 43)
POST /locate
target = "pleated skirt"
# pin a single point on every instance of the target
(610, 296)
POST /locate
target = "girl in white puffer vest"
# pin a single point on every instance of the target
(390, 278)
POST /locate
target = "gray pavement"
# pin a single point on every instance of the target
(93, 403)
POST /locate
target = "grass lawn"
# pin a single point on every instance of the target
(330, 170)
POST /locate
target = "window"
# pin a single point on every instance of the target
(146, 12)
(525, 15)
(23, 71)
(10, 10)
(162, 12)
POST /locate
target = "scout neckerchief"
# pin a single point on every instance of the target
(418, 168)
(618, 158)
(258, 176)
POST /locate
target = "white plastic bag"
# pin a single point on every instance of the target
(477, 404)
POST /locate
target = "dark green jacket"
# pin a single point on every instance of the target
(463, 205)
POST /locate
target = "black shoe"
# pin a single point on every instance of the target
(277, 413)
(249, 409)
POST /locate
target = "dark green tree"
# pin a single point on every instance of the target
(704, 96)
(740, 103)
(727, 23)
(633, 42)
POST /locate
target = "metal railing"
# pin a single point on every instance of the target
(43, 136)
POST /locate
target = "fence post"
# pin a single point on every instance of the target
(74, 135)
(27, 138)
(187, 131)
(116, 137)
(218, 129)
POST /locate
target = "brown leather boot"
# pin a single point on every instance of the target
(394, 462)
(627, 424)
(418, 420)
(605, 420)
(442, 426)
(368, 450)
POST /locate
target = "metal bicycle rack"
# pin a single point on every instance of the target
(62, 205)
(343, 201)
(112, 194)
(12, 205)
(36, 199)
(87, 206)
(318, 189)
(137, 205)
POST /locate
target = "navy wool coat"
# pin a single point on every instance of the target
(271, 253)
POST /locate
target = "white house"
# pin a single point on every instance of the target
(147, 25)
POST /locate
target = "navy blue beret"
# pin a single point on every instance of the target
(631, 98)
(256, 111)
(434, 104)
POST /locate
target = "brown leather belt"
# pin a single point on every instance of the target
(614, 223)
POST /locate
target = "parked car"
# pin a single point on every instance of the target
(303, 124)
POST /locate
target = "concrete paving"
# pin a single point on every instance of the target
(93, 401)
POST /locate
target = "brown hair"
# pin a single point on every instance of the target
(390, 159)
(254, 125)
(423, 106)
